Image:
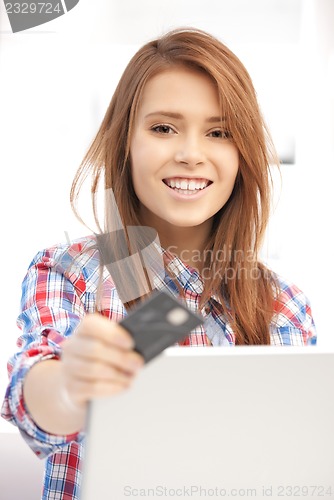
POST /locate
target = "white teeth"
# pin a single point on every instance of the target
(187, 185)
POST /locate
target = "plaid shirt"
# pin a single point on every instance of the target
(58, 290)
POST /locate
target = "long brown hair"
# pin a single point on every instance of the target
(244, 286)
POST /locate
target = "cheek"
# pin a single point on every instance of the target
(134, 172)
(135, 158)
(139, 171)
(137, 161)
(230, 162)
(141, 155)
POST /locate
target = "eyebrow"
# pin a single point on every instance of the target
(178, 116)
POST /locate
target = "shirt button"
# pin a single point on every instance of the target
(207, 309)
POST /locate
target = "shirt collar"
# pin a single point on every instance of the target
(187, 276)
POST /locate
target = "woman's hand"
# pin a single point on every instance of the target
(97, 361)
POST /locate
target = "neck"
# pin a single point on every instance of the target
(187, 243)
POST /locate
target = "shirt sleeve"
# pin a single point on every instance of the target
(51, 308)
(293, 322)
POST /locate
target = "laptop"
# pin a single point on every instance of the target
(203, 422)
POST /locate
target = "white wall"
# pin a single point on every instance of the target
(57, 80)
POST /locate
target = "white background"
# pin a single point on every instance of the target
(56, 83)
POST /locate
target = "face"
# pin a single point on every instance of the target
(184, 163)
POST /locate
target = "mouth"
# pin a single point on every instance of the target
(185, 185)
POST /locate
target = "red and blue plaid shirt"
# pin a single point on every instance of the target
(58, 290)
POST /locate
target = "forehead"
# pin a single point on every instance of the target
(177, 89)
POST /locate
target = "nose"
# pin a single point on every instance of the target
(190, 151)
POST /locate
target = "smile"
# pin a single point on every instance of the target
(187, 186)
(185, 189)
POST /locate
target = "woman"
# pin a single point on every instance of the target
(184, 149)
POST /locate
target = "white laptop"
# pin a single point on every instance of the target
(217, 422)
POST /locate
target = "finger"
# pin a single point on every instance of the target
(95, 372)
(107, 331)
(89, 350)
(84, 391)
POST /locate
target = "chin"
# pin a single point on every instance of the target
(186, 222)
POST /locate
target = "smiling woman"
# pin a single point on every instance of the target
(213, 130)
(184, 149)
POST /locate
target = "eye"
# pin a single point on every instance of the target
(220, 134)
(163, 129)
